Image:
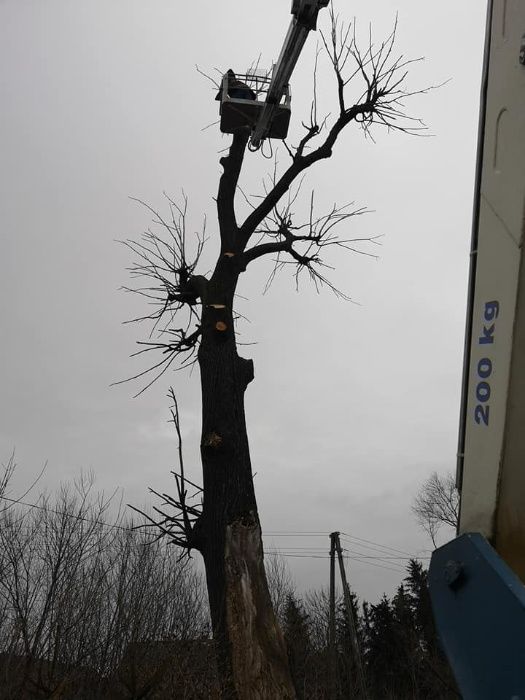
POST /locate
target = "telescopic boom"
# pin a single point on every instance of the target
(304, 20)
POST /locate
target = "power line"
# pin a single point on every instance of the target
(377, 544)
(326, 556)
(307, 549)
(392, 564)
(279, 533)
(317, 533)
(353, 551)
(47, 509)
(378, 554)
(290, 552)
(134, 530)
(296, 556)
(374, 547)
(398, 570)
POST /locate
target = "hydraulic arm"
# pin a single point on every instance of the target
(304, 20)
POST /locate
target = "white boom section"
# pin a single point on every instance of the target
(491, 462)
(304, 20)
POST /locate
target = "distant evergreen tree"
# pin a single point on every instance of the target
(297, 636)
(381, 651)
(417, 587)
(347, 668)
(435, 679)
(407, 642)
(402, 653)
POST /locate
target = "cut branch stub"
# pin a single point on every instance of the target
(212, 440)
(219, 320)
(246, 370)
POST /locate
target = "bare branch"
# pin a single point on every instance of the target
(215, 82)
(163, 260)
(381, 103)
(302, 245)
(5, 478)
(180, 525)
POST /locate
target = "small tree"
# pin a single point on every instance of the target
(280, 584)
(297, 636)
(348, 669)
(225, 528)
(436, 504)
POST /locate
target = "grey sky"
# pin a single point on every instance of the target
(353, 404)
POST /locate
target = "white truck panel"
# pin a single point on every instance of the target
(491, 466)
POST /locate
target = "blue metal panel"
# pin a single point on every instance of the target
(479, 608)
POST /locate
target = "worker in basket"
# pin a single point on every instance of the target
(237, 89)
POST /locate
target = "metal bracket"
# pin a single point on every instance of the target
(479, 608)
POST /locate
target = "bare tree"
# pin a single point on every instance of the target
(79, 588)
(6, 476)
(195, 316)
(280, 583)
(436, 504)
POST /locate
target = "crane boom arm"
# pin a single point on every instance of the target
(304, 20)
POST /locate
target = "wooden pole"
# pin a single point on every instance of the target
(351, 621)
(331, 623)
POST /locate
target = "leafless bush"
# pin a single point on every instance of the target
(76, 592)
(280, 583)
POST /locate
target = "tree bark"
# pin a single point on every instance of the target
(251, 651)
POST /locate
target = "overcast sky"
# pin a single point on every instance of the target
(354, 404)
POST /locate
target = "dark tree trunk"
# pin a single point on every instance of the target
(250, 646)
(253, 661)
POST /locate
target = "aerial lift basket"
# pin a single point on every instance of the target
(238, 107)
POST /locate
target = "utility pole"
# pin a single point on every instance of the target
(331, 623)
(351, 621)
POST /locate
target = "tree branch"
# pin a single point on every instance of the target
(180, 527)
(265, 249)
(380, 103)
(303, 245)
(299, 164)
(232, 165)
(171, 287)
